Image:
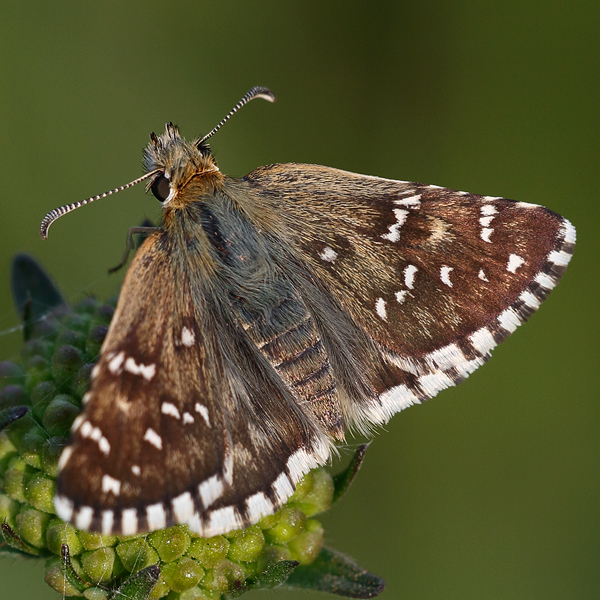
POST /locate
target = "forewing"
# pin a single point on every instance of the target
(185, 421)
(436, 278)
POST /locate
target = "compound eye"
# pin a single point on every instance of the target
(160, 188)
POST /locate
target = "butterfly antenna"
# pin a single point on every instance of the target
(255, 92)
(63, 210)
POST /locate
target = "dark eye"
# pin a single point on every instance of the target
(160, 188)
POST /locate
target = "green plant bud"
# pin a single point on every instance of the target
(9, 509)
(67, 360)
(94, 340)
(81, 382)
(75, 321)
(36, 347)
(96, 593)
(31, 446)
(197, 593)
(56, 579)
(246, 545)
(93, 541)
(59, 415)
(10, 374)
(39, 491)
(137, 554)
(268, 521)
(71, 338)
(86, 306)
(319, 497)
(225, 576)
(37, 371)
(59, 533)
(7, 451)
(103, 314)
(291, 522)
(14, 478)
(209, 552)
(41, 396)
(182, 574)
(31, 525)
(13, 395)
(306, 546)
(51, 451)
(99, 565)
(170, 543)
(272, 555)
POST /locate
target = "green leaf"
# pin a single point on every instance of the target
(12, 414)
(14, 541)
(69, 572)
(342, 481)
(139, 585)
(34, 293)
(337, 574)
(274, 575)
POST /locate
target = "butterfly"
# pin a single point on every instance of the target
(269, 314)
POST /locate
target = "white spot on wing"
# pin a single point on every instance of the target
(64, 457)
(170, 409)
(485, 234)
(545, 281)
(328, 254)
(514, 262)
(282, 488)
(200, 408)
(188, 337)
(380, 308)
(83, 520)
(299, 463)
(410, 202)
(108, 518)
(183, 507)
(258, 506)
(153, 438)
(135, 469)
(482, 276)
(223, 520)
(559, 258)
(401, 296)
(570, 234)
(435, 382)
(187, 418)
(483, 341)
(509, 320)
(146, 371)
(114, 365)
(211, 490)
(110, 484)
(445, 275)
(157, 517)
(64, 507)
(409, 276)
(489, 209)
(129, 521)
(394, 230)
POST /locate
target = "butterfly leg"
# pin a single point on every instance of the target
(129, 244)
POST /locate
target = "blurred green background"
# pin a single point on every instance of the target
(490, 490)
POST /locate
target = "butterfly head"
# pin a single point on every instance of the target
(174, 162)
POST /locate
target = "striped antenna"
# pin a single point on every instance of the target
(255, 92)
(63, 210)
